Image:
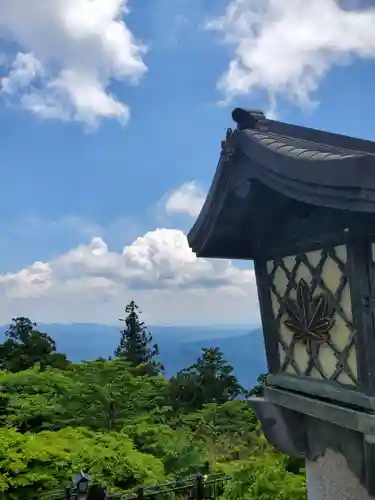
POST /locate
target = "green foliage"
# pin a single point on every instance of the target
(35, 400)
(97, 394)
(228, 431)
(136, 342)
(258, 389)
(112, 395)
(26, 346)
(47, 460)
(263, 477)
(177, 448)
(126, 425)
(209, 380)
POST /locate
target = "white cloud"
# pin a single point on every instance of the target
(287, 47)
(25, 68)
(34, 281)
(69, 52)
(91, 283)
(187, 199)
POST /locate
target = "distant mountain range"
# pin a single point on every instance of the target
(179, 345)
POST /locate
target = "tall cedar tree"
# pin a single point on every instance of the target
(209, 380)
(26, 346)
(136, 342)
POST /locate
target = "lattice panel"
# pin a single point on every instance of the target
(324, 271)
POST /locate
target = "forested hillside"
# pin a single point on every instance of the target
(125, 423)
(178, 346)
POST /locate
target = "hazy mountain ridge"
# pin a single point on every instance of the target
(179, 345)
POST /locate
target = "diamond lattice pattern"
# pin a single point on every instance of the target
(324, 271)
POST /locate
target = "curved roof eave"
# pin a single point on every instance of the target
(205, 223)
(307, 171)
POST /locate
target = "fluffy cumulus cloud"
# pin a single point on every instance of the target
(64, 54)
(187, 199)
(287, 47)
(90, 282)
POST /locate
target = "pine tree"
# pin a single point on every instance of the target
(26, 346)
(209, 380)
(136, 342)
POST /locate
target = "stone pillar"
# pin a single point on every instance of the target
(329, 478)
(337, 443)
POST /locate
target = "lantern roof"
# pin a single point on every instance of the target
(81, 477)
(268, 168)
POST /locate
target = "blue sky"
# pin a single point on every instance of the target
(83, 174)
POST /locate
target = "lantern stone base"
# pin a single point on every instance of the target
(313, 429)
(317, 388)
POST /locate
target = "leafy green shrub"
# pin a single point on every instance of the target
(47, 460)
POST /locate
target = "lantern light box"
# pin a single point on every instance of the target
(300, 203)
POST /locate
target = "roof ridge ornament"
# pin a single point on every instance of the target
(247, 118)
(227, 146)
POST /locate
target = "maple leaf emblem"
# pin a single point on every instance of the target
(310, 318)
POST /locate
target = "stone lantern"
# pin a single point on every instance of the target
(300, 203)
(81, 484)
